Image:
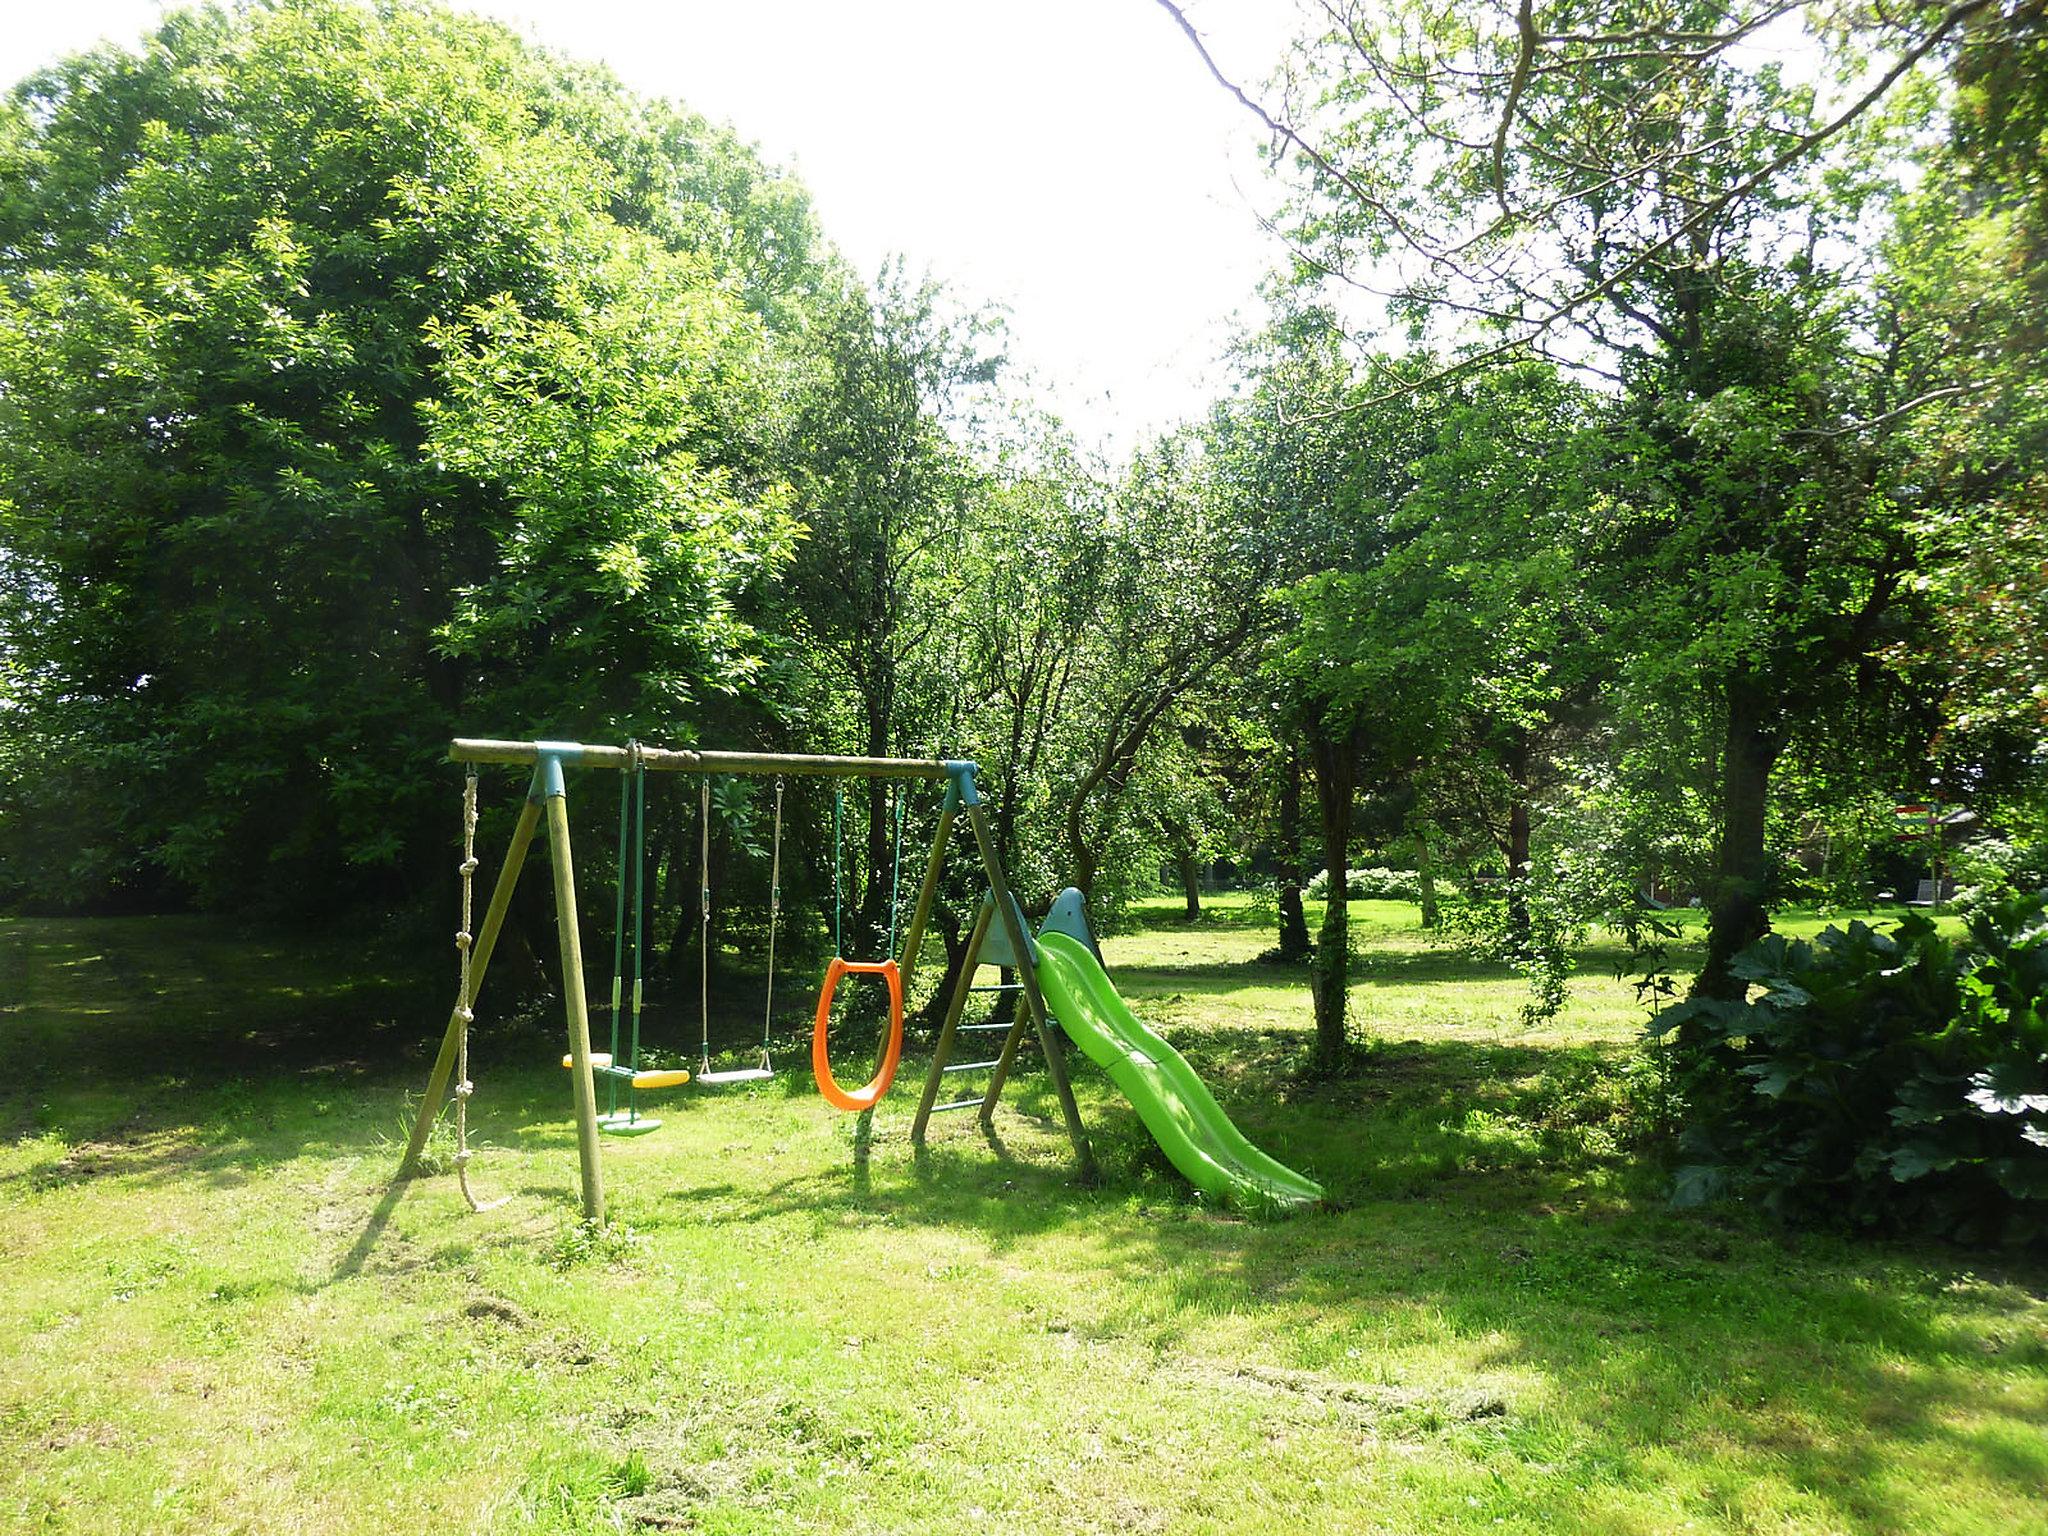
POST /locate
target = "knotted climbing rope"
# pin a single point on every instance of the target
(463, 944)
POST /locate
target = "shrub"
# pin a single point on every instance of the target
(1527, 925)
(1893, 1080)
(1370, 884)
(1987, 870)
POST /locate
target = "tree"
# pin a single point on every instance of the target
(1624, 175)
(1967, 269)
(1180, 599)
(1540, 169)
(883, 493)
(1480, 603)
(1968, 263)
(365, 374)
(1327, 483)
(1030, 565)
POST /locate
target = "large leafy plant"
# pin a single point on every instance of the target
(1892, 1079)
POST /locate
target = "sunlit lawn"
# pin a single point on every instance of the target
(218, 1315)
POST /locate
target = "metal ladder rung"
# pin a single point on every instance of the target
(1002, 986)
(971, 1066)
(940, 1109)
(981, 1028)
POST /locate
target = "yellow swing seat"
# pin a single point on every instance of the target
(665, 1077)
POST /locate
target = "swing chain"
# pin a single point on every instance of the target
(895, 877)
(626, 780)
(639, 780)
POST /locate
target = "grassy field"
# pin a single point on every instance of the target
(219, 1315)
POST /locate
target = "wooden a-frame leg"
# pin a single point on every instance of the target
(1020, 1020)
(1020, 946)
(480, 958)
(576, 1005)
(927, 891)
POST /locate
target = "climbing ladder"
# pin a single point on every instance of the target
(987, 944)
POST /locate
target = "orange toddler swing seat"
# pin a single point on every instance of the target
(870, 1094)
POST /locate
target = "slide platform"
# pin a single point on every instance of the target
(1175, 1104)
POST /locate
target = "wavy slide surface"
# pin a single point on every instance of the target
(1175, 1104)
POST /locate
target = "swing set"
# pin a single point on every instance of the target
(547, 798)
(626, 1071)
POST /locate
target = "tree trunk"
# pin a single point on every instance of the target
(1517, 765)
(1330, 977)
(1190, 881)
(1425, 879)
(1005, 819)
(1737, 913)
(955, 934)
(1082, 859)
(1294, 943)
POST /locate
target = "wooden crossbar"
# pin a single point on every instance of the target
(576, 754)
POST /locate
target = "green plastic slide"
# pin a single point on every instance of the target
(1174, 1103)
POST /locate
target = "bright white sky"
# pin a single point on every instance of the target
(1069, 159)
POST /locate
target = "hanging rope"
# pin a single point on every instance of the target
(774, 914)
(838, 807)
(896, 875)
(704, 920)
(766, 1069)
(463, 944)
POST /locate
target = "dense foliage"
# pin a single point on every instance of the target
(367, 374)
(1887, 1079)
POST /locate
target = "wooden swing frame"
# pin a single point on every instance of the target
(547, 796)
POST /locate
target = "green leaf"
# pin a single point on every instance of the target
(1918, 1159)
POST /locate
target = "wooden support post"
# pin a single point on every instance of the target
(577, 1005)
(1006, 1058)
(1020, 946)
(480, 958)
(955, 1006)
(913, 942)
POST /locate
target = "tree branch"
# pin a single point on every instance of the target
(1851, 428)
(1527, 43)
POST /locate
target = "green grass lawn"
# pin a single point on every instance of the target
(218, 1314)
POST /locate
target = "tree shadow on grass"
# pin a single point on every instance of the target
(1235, 918)
(1661, 1339)
(1141, 981)
(193, 999)
(1489, 1207)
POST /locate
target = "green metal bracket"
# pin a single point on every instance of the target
(553, 757)
(960, 789)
